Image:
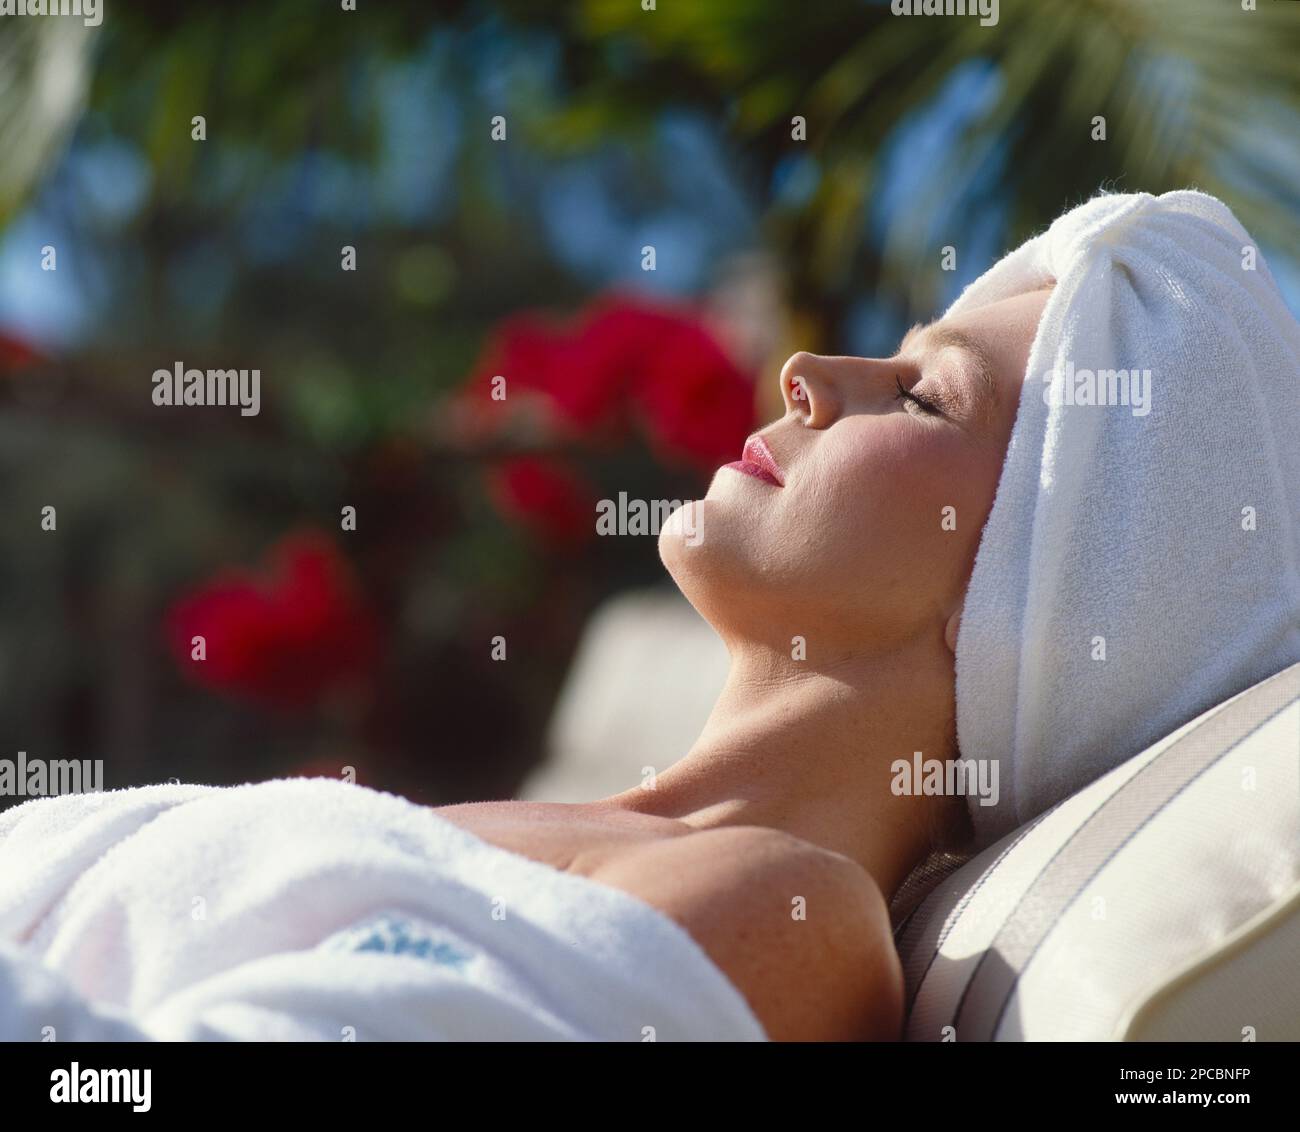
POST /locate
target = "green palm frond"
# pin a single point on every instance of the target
(1194, 93)
(44, 76)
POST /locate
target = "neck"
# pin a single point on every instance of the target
(809, 751)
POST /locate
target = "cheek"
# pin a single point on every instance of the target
(884, 495)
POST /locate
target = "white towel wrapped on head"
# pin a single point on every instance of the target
(310, 909)
(1141, 562)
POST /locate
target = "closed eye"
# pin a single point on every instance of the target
(905, 394)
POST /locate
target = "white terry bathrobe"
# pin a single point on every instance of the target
(311, 909)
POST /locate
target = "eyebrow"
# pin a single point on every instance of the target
(938, 337)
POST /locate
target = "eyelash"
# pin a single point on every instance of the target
(907, 395)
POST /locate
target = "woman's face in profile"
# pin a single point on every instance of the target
(870, 455)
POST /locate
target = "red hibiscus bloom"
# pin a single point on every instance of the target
(539, 358)
(546, 496)
(621, 355)
(621, 359)
(691, 400)
(284, 640)
(695, 404)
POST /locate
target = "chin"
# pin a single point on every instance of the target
(684, 534)
(706, 547)
(702, 550)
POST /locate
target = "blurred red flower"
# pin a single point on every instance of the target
(695, 403)
(538, 356)
(622, 360)
(547, 496)
(15, 354)
(282, 640)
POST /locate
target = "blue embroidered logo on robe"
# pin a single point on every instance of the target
(395, 935)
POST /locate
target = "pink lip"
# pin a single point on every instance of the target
(757, 461)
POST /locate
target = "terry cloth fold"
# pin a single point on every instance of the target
(306, 909)
(1140, 563)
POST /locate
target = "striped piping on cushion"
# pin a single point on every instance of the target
(927, 928)
(987, 994)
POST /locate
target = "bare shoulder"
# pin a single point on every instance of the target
(803, 933)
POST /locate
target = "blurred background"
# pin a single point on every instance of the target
(501, 171)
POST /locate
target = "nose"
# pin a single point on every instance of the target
(809, 386)
(825, 388)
